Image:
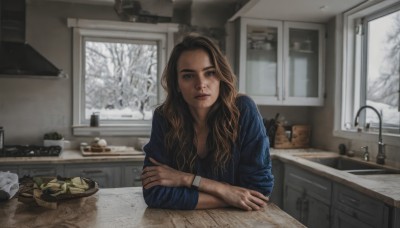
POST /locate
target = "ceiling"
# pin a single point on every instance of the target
(293, 10)
(296, 10)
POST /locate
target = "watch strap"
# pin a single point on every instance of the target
(196, 182)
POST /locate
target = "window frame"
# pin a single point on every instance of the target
(114, 30)
(347, 75)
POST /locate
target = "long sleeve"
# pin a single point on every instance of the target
(159, 196)
(255, 162)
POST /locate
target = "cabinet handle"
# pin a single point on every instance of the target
(305, 205)
(351, 200)
(298, 204)
(92, 171)
(42, 173)
(355, 215)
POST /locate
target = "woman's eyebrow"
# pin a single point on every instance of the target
(190, 70)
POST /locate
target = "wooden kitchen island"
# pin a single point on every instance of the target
(125, 207)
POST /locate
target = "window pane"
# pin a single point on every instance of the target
(383, 64)
(303, 63)
(120, 80)
(262, 61)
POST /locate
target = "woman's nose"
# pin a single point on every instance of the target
(201, 82)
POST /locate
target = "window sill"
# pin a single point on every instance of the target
(113, 130)
(388, 139)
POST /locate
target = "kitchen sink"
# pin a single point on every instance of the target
(351, 166)
(341, 163)
(373, 171)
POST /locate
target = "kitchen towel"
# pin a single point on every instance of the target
(8, 185)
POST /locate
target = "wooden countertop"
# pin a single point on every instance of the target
(125, 207)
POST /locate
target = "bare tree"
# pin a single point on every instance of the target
(120, 75)
(385, 89)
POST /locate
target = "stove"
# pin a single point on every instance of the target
(30, 151)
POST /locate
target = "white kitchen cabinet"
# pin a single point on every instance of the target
(281, 63)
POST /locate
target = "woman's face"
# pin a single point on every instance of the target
(197, 80)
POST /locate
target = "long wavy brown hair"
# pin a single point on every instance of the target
(222, 120)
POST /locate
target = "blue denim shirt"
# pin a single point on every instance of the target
(250, 166)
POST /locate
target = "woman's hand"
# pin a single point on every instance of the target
(243, 198)
(164, 175)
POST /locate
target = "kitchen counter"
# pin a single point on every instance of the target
(125, 207)
(382, 187)
(70, 156)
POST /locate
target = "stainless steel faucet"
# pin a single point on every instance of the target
(380, 158)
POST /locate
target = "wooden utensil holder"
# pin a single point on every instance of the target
(299, 137)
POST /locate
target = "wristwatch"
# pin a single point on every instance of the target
(196, 182)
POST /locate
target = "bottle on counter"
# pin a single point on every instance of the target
(94, 119)
(1, 139)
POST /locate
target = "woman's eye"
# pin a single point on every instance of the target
(187, 76)
(210, 73)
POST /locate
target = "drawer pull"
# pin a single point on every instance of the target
(353, 201)
(355, 215)
(92, 171)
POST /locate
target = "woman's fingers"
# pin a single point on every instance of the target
(260, 196)
(154, 161)
(253, 205)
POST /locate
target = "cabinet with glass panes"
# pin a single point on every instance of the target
(280, 62)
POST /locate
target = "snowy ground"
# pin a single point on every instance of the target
(122, 114)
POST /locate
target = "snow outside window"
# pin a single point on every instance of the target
(117, 68)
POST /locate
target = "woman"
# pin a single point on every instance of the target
(208, 146)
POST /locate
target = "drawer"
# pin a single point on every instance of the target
(360, 206)
(313, 185)
(105, 176)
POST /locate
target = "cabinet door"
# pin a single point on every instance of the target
(277, 193)
(11, 169)
(292, 202)
(41, 170)
(260, 74)
(132, 175)
(303, 54)
(105, 176)
(315, 213)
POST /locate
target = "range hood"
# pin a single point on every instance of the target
(17, 57)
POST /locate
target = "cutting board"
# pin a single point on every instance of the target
(114, 151)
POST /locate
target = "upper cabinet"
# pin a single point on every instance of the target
(281, 63)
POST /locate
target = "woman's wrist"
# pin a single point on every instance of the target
(187, 180)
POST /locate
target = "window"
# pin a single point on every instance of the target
(116, 72)
(371, 69)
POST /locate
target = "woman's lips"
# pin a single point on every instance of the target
(202, 96)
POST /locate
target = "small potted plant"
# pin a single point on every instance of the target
(53, 139)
